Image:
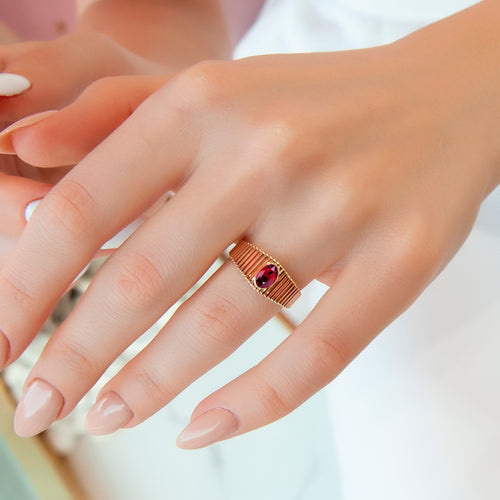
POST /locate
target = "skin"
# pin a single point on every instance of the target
(109, 41)
(379, 159)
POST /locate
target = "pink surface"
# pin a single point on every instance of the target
(47, 19)
(39, 19)
(241, 15)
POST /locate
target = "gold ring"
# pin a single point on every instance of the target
(265, 274)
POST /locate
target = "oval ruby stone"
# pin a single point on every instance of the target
(266, 276)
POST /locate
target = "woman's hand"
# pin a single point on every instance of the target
(363, 169)
(114, 37)
(59, 70)
(59, 143)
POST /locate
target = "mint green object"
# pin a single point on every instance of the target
(13, 483)
(26, 469)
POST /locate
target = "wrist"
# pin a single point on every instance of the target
(460, 58)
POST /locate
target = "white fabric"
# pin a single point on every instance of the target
(317, 25)
(417, 415)
(406, 9)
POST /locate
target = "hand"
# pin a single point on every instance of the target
(60, 141)
(176, 35)
(58, 71)
(363, 169)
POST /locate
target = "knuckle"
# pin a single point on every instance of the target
(105, 87)
(69, 212)
(119, 91)
(279, 145)
(326, 357)
(416, 247)
(18, 291)
(73, 357)
(152, 387)
(351, 207)
(140, 282)
(279, 138)
(273, 402)
(217, 320)
(201, 85)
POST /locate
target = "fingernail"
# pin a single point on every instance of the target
(37, 409)
(30, 208)
(12, 84)
(6, 146)
(4, 350)
(108, 415)
(208, 428)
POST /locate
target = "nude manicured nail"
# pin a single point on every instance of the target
(208, 428)
(12, 84)
(30, 208)
(37, 409)
(6, 146)
(108, 415)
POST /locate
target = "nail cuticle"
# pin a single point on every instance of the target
(108, 414)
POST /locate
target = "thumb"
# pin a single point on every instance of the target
(64, 137)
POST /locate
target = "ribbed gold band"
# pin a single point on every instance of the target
(252, 261)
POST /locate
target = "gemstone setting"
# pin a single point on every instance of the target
(266, 276)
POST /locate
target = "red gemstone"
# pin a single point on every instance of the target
(266, 276)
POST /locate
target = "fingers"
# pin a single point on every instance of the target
(132, 290)
(367, 295)
(16, 193)
(81, 213)
(55, 71)
(51, 139)
(59, 70)
(208, 327)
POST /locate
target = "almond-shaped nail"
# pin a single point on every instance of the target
(12, 84)
(6, 146)
(208, 428)
(37, 409)
(109, 414)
